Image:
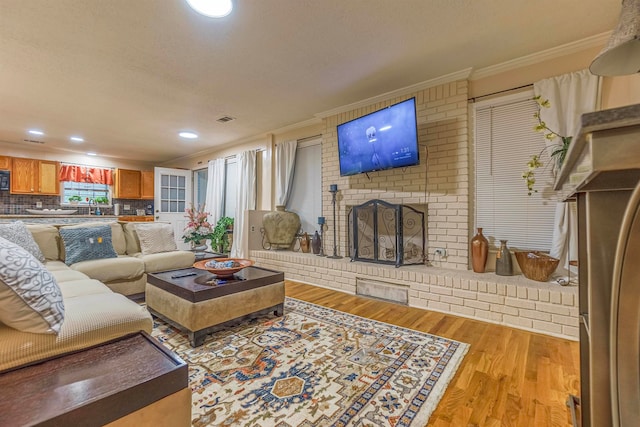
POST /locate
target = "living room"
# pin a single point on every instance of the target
(443, 184)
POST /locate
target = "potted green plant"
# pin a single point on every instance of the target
(219, 240)
(102, 200)
(559, 151)
(75, 199)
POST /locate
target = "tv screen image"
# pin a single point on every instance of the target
(384, 139)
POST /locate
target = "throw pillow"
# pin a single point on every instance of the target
(30, 299)
(82, 244)
(18, 233)
(156, 238)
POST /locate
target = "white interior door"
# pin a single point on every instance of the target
(172, 195)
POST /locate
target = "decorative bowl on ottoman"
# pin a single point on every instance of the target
(223, 267)
(536, 265)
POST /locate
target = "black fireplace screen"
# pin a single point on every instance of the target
(386, 233)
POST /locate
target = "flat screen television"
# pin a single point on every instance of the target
(384, 139)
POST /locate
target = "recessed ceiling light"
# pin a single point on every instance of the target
(36, 132)
(91, 153)
(188, 135)
(212, 8)
(77, 139)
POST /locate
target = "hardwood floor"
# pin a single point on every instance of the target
(509, 377)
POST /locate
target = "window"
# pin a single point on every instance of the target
(230, 187)
(306, 190)
(86, 192)
(200, 177)
(504, 142)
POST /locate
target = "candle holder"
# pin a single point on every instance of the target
(321, 222)
(333, 189)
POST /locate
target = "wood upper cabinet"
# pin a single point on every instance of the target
(31, 176)
(48, 182)
(5, 163)
(128, 184)
(147, 185)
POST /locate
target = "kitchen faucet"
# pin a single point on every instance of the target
(90, 202)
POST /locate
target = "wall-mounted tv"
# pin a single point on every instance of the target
(384, 139)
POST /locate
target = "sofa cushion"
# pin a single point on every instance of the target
(117, 234)
(67, 275)
(81, 244)
(156, 238)
(90, 320)
(110, 269)
(30, 299)
(167, 261)
(18, 233)
(56, 265)
(133, 243)
(81, 287)
(48, 239)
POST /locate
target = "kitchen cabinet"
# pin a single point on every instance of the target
(128, 184)
(5, 163)
(147, 185)
(31, 176)
(136, 218)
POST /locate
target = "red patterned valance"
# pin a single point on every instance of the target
(85, 174)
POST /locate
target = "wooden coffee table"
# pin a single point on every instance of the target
(193, 300)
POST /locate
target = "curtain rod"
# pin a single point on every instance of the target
(499, 92)
(85, 165)
(231, 156)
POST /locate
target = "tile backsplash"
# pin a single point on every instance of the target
(17, 204)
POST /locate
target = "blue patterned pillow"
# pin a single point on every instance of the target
(83, 244)
(30, 299)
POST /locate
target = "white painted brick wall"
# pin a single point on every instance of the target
(441, 181)
(512, 301)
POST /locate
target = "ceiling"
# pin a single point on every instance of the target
(128, 75)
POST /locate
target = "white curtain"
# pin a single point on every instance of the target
(214, 198)
(285, 167)
(570, 96)
(246, 201)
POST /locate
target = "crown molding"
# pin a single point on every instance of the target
(310, 122)
(447, 78)
(599, 40)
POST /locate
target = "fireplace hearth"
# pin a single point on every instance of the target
(387, 233)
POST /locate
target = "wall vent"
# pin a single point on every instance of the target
(33, 141)
(225, 119)
(382, 290)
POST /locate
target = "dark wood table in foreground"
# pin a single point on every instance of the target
(194, 300)
(104, 384)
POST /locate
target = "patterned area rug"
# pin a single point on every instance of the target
(315, 367)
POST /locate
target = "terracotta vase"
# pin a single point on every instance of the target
(479, 251)
(280, 227)
(305, 243)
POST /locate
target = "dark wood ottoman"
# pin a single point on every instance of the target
(191, 299)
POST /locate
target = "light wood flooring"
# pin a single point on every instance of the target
(509, 377)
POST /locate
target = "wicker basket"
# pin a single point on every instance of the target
(536, 265)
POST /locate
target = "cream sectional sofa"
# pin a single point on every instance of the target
(96, 308)
(126, 274)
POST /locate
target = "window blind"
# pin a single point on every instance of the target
(505, 141)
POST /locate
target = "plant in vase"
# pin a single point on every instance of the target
(219, 236)
(559, 150)
(198, 229)
(75, 199)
